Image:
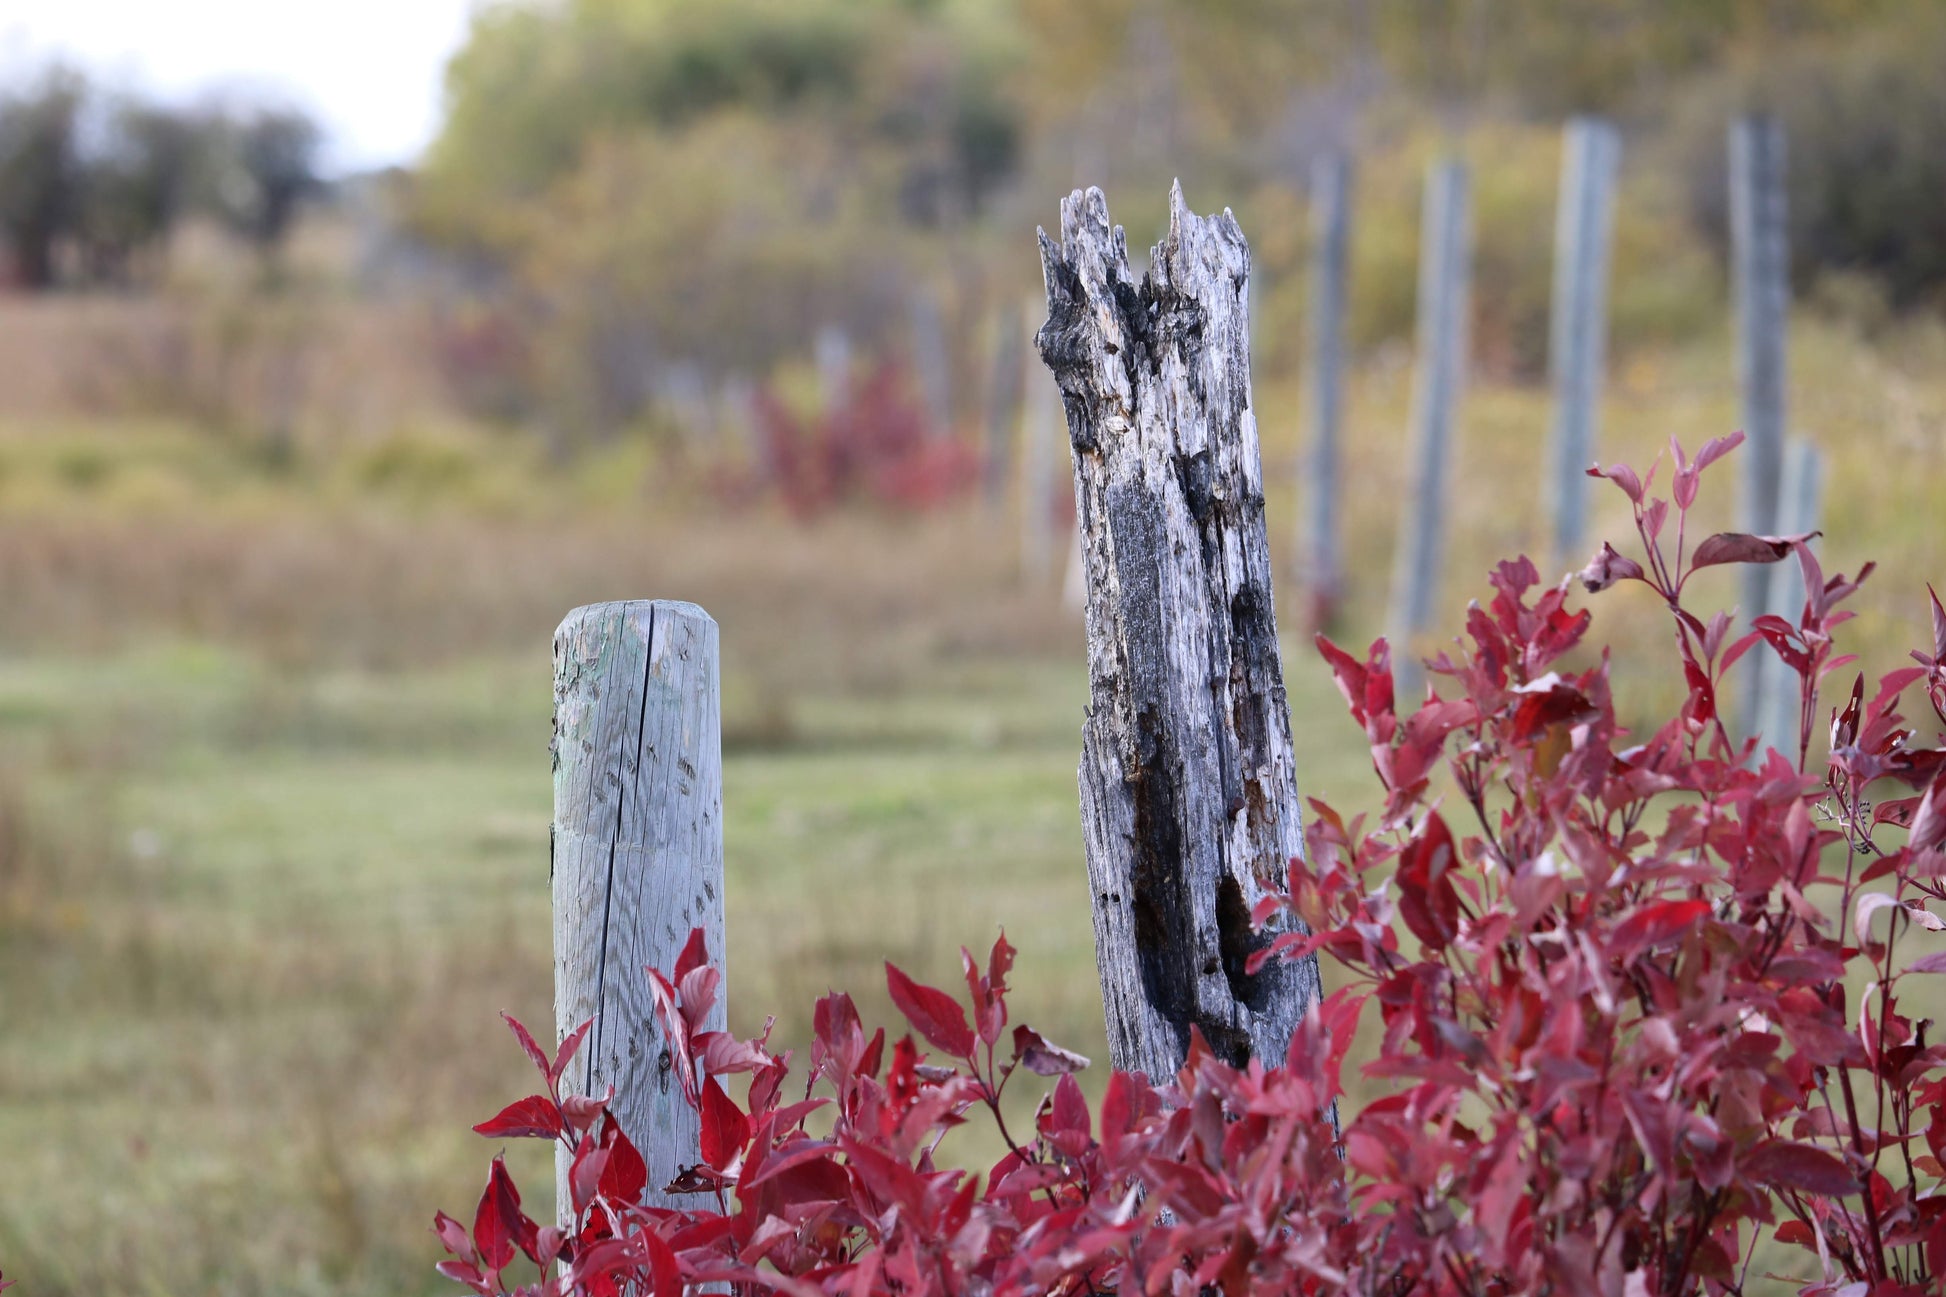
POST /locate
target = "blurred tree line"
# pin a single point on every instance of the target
(93, 182)
(707, 183)
(644, 204)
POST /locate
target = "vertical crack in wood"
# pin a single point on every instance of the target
(1188, 793)
(623, 782)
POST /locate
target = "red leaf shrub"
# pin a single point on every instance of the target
(1636, 1000)
(876, 446)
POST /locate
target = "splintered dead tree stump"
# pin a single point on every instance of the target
(1189, 800)
(637, 851)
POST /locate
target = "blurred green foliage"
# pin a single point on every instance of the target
(1864, 116)
(661, 183)
(94, 180)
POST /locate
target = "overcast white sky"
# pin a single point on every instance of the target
(370, 70)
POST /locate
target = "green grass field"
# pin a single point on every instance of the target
(251, 1009)
(274, 781)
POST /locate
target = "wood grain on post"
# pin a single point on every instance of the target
(1760, 249)
(637, 853)
(1323, 558)
(1441, 372)
(1578, 323)
(1189, 801)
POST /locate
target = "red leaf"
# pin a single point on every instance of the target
(1128, 1100)
(579, 1111)
(1929, 821)
(452, 1236)
(1000, 962)
(626, 1175)
(1606, 568)
(1348, 673)
(464, 1272)
(526, 1040)
(1547, 702)
(1506, 1185)
(1742, 547)
(1623, 476)
(1427, 900)
(1656, 925)
(1716, 448)
(565, 1054)
(1069, 1111)
(1796, 1231)
(725, 1129)
(695, 955)
(499, 1228)
(535, 1117)
(665, 1273)
(1042, 1057)
(1799, 1166)
(936, 1015)
(585, 1174)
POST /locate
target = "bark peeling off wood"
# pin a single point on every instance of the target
(1188, 788)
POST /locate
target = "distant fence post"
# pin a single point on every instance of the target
(637, 853)
(1003, 402)
(934, 371)
(834, 370)
(1760, 240)
(1775, 708)
(1189, 803)
(1441, 371)
(1040, 418)
(1322, 559)
(1578, 324)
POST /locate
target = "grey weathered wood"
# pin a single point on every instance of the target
(1578, 325)
(1074, 582)
(1775, 701)
(1003, 401)
(1760, 247)
(637, 852)
(1322, 560)
(1189, 801)
(1039, 427)
(1441, 372)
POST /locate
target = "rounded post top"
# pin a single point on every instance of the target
(631, 608)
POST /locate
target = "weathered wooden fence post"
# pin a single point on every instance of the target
(637, 852)
(1578, 325)
(1776, 710)
(1322, 559)
(1441, 371)
(1189, 802)
(1760, 241)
